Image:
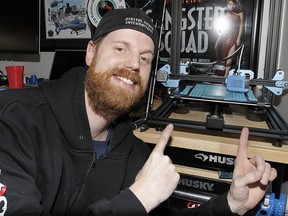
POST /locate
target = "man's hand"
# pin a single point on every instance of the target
(158, 178)
(250, 179)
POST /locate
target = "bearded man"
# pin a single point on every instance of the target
(67, 147)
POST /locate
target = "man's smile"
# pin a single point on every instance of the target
(125, 80)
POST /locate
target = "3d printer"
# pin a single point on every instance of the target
(192, 84)
(195, 85)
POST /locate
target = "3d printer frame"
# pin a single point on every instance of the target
(278, 128)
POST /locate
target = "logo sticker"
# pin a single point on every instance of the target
(215, 159)
(96, 9)
(3, 200)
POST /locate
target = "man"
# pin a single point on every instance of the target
(68, 149)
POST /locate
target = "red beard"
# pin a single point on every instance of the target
(109, 100)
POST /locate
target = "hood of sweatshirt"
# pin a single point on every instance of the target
(66, 99)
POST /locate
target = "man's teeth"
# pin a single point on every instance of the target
(128, 81)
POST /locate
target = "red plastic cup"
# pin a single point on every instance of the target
(15, 76)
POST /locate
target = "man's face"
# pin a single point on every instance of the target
(119, 72)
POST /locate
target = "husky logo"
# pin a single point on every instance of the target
(215, 159)
(201, 156)
(202, 185)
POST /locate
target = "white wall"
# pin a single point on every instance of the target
(41, 69)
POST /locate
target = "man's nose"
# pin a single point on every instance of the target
(132, 62)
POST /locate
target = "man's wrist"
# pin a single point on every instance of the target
(142, 196)
(234, 206)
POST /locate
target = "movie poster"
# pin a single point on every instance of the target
(66, 19)
(210, 31)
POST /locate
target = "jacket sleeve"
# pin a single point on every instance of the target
(125, 203)
(19, 194)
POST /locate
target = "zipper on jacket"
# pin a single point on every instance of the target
(91, 170)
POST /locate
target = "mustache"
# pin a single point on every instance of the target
(126, 73)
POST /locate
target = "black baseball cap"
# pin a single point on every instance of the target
(127, 18)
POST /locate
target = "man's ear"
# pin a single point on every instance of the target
(90, 51)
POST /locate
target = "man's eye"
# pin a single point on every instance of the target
(120, 49)
(145, 59)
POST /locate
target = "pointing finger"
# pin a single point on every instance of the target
(242, 147)
(164, 138)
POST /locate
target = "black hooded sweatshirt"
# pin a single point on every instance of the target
(48, 165)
